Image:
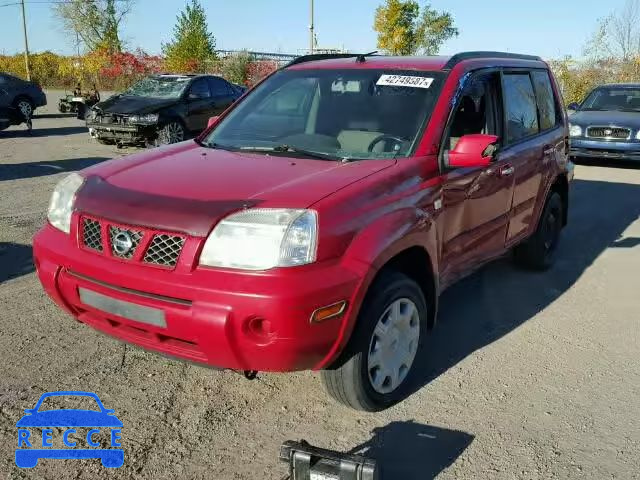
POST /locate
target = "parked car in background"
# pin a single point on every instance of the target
(161, 109)
(607, 123)
(21, 95)
(316, 222)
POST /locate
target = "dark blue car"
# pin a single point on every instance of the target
(607, 124)
(27, 454)
(21, 95)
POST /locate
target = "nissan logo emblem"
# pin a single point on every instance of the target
(122, 243)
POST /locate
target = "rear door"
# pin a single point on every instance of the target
(5, 97)
(199, 104)
(533, 138)
(476, 200)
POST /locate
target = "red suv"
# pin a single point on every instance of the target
(315, 223)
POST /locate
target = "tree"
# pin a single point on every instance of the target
(96, 22)
(193, 46)
(618, 35)
(403, 30)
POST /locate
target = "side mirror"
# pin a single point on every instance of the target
(212, 121)
(573, 106)
(472, 151)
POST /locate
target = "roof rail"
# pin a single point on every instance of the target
(320, 56)
(460, 57)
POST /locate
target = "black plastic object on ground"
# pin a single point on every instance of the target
(307, 462)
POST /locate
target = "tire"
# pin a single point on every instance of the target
(24, 106)
(171, 132)
(81, 111)
(102, 141)
(539, 251)
(356, 381)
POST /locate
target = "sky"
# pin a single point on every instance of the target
(549, 28)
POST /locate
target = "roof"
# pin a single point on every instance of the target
(353, 61)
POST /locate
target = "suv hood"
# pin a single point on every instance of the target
(586, 118)
(127, 105)
(188, 188)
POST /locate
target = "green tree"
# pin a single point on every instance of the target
(95, 22)
(404, 30)
(193, 46)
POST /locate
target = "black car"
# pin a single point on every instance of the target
(161, 109)
(21, 95)
(607, 123)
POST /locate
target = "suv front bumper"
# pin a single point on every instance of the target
(225, 319)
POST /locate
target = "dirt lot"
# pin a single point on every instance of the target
(530, 376)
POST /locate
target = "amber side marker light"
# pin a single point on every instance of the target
(330, 311)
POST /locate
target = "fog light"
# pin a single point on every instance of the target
(310, 463)
(259, 329)
(330, 311)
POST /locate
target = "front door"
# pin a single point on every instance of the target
(476, 201)
(200, 103)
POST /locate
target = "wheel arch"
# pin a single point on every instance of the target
(561, 187)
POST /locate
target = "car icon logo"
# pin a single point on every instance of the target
(608, 132)
(82, 433)
(122, 243)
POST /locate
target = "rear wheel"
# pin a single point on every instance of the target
(539, 252)
(387, 343)
(24, 106)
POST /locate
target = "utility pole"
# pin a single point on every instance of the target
(311, 34)
(26, 43)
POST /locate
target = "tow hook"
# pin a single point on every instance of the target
(250, 374)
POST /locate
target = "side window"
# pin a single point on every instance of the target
(219, 87)
(546, 99)
(477, 110)
(199, 89)
(520, 106)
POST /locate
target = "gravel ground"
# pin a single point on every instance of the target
(532, 376)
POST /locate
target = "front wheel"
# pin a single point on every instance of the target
(172, 132)
(385, 346)
(539, 251)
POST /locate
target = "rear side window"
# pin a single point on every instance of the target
(520, 106)
(546, 99)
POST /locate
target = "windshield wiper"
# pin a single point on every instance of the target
(290, 149)
(216, 146)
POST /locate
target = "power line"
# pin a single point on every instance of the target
(44, 2)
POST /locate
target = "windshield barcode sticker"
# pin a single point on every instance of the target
(405, 81)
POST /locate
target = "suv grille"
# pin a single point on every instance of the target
(617, 133)
(164, 250)
(91, 234)
(125, 242)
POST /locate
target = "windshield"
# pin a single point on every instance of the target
(158, 87)
(334, 114)
(623, 99)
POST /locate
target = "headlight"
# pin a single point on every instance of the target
(263, 238)
(61, 204)
(638, 135)
(575, 130)
(148, 118)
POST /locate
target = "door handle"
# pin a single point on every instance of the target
(507, 170)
